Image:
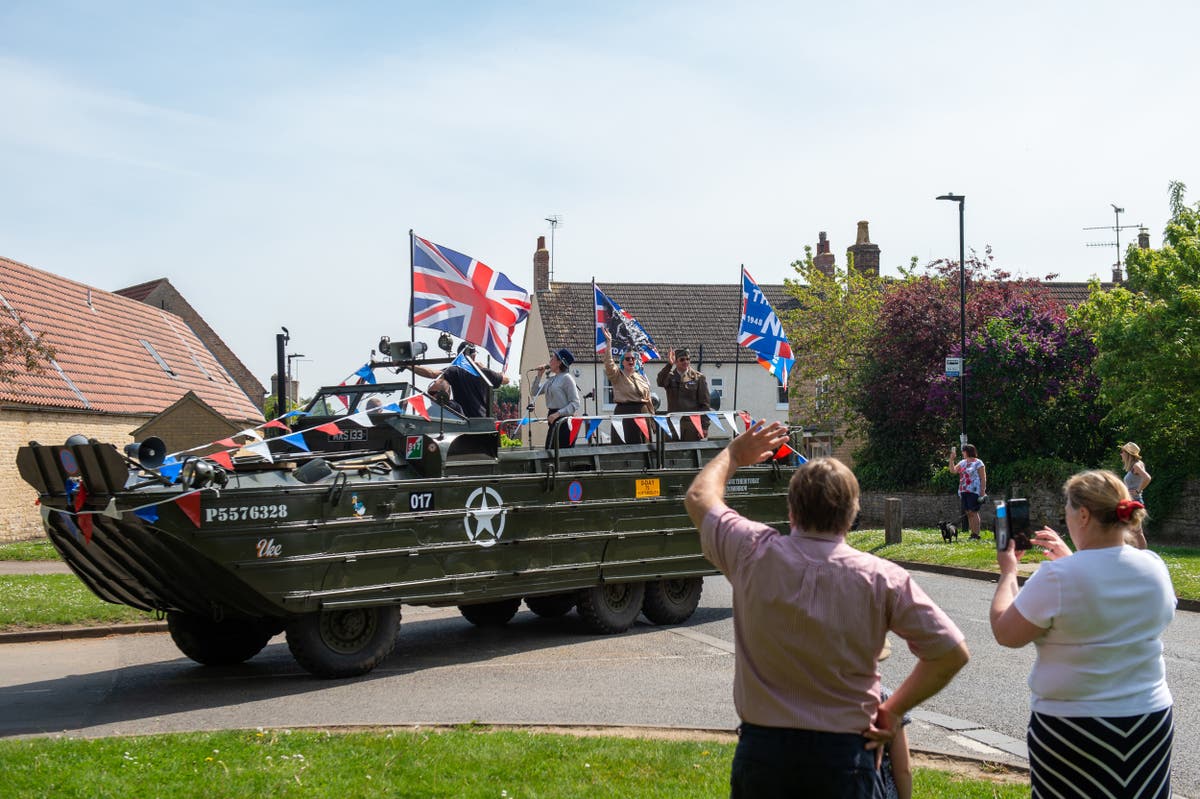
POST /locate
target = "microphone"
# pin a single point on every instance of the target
(590, 395)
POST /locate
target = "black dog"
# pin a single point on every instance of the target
(949, 531)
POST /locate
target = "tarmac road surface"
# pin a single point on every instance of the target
(534, 671)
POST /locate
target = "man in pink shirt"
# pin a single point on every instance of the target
(810, 616)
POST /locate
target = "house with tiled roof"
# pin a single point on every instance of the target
(118, 364)
(161, 294)
(703, 317)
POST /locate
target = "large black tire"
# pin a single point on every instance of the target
(344, 643)
(218, 643)
(491, 614)
(551, 606)
(672, 601)
(612, 607)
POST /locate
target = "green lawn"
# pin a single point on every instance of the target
(40, 600)
(28, 550)
(466, 762)
(927, 546)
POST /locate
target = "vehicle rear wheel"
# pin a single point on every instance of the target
(491, 614)
(551, 606)
(672, 601)
(612, 607)
(218, 643)
(344, 643)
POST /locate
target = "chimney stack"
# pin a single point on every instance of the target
(824, 258)
(1118, 278)
(541, 267)
(1143, 239)
(866, 254)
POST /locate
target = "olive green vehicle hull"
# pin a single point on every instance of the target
(435, 518)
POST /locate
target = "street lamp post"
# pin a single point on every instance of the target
(962, 316)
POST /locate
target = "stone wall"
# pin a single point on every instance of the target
(1181, 526)
(19, 516)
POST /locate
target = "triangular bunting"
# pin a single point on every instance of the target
(695, 420)
(228, 443)
(362, 419)
(190, 505)
(716, 419)
(262, 449)
(222, 458)
(147, 514)
(783, 451)
(616, 431)
(80, 497)
(417, 403)
(85, 525)
(644, 426)
(329, 427)
(250, 432)
(663, 423)
(729, 418)
(69, 523)
(296, 440)
(747, 419)
(276, 423)
(576, 424)
(110, 510)
(593, 426)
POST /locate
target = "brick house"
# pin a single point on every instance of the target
(121, 369)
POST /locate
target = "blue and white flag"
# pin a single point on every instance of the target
(762, 332)
(464, 363)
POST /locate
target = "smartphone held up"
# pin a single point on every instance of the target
(1013, 524)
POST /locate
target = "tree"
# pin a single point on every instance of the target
(829, 334)
(1148, 336)
(20, 349)
(908, 406)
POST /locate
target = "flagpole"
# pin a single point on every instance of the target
(737, 348)
(596, 393)
(412, 290)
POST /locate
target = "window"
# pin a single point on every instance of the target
(781, 397)
(609, 402)
(821, 388)
(157, 358)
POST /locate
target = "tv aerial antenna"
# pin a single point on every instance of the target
(1116, 228)
(555, 220)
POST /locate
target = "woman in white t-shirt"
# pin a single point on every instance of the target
(1101, 722)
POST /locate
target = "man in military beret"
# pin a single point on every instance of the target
(687, 392)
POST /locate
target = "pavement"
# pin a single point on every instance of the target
(934, 734)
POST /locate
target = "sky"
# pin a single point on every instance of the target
(269, 158)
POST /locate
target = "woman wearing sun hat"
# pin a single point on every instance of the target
(562, 395)
(1136, 479)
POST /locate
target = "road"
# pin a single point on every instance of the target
(535, 671)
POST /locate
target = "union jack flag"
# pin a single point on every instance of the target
(465, 297)
(762, 332)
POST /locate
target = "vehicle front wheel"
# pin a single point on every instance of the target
(672, 601)
(344, 643)
(612, 607)
(491, 614)
(551, 606)
(218, 643)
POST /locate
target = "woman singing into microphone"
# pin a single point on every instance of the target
(562, 395)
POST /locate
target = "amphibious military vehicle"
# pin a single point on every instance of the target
(377, 497)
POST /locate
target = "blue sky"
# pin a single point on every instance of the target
(270, 158)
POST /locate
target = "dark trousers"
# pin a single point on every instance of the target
(564, 432)
(773, 763)
(629, 427)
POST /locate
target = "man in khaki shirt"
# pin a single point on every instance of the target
(687, 392)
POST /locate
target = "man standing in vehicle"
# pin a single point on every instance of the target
(687, 392)
(472, 391)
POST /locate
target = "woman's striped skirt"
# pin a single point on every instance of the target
(1101, 758)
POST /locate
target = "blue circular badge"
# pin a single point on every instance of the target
(67, 459)
(575, 491)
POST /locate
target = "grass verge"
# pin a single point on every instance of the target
(465, 762)
(41, 600)
(927, 546)
(28, 550)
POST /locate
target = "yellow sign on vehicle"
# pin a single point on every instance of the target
(648, 487)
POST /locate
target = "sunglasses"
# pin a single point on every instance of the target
(629, 360)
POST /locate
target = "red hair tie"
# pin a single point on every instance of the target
(1125, 508)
